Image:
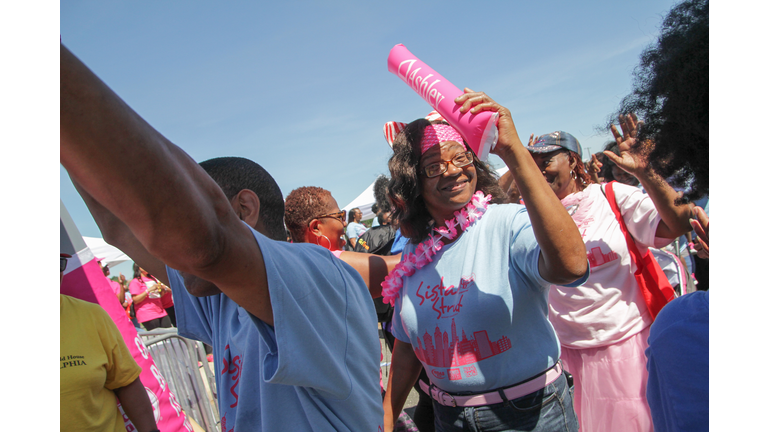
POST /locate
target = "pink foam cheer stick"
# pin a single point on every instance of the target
(479, 130)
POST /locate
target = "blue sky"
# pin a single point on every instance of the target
(303, 89)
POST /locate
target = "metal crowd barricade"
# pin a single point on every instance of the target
(178, 360)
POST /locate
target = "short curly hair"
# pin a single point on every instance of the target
(403, 190)
(301, 206)
(671, 95)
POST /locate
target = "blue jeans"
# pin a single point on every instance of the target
(549, 409)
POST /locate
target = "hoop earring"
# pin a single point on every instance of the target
(317, 241)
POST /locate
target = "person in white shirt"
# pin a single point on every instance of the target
(603, 325)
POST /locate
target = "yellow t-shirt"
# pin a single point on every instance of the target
(94, 361)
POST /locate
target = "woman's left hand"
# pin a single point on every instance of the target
(632, 157)
(477, 102)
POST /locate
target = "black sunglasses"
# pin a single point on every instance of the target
(63, 264)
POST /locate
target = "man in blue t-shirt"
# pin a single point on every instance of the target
(293, 329)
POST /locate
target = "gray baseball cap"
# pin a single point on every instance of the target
(555, 141)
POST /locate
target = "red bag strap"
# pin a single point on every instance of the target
(634, 252)
(655, 287)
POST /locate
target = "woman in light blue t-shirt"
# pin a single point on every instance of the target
(354, 228)
(470, 292)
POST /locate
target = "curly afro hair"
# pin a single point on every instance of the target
(380, 194)
(671, 94)
(301, 206)
(403, 191)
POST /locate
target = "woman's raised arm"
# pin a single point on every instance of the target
(632, 158)
(563, 257)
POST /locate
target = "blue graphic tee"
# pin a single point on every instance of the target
(476, 316)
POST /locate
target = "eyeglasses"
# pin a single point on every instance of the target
(459, 161)
(340, 216)
(63, 265)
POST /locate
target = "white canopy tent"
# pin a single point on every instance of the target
(101, 249)
(365, 200)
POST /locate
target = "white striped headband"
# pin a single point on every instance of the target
(433, 134)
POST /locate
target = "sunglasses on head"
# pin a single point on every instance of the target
(340, 216)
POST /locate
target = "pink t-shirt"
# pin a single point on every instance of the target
(115, 286)
(609, 307)
(167, 300)
(148, 309)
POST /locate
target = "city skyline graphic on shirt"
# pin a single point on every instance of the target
(438, 350)
(596, 256)
(580, 212)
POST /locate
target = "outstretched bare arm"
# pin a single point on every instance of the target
(185, 221)
(373, 268)
(118, 234)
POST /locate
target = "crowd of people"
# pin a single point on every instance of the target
(528, 302)
(148, 303)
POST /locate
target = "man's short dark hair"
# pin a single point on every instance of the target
(234, 174)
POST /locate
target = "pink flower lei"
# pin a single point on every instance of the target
(390, 288)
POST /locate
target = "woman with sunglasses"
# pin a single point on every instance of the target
(470, 293)
(313, 216)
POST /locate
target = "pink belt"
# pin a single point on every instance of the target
(514, 392)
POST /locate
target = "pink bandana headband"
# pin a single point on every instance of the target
(433, 134)
(439, 133)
